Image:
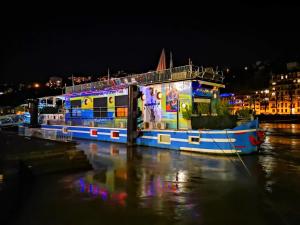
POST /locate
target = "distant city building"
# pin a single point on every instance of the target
(80, 79)
(55, 82)
(292, 66)
(4, 110)
(281, 97)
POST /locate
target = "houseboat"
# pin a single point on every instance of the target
(176, 108)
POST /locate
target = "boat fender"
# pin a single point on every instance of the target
(254, 141)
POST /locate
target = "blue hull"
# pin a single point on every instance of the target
(231, 141)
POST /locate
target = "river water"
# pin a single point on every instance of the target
(153, 186)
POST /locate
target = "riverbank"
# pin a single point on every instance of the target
(23, 161)
(279, 118)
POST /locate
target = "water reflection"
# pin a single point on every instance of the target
(152, 186)
(167, 182)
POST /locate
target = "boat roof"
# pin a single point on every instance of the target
(62, 97)
(188, 72)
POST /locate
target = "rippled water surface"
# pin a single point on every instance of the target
(153, 186)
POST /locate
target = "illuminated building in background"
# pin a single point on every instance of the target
(281, 97)
(54, 82)
(80, 79)
(285, 93)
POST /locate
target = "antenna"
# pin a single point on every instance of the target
(72, 82)
(108, 75)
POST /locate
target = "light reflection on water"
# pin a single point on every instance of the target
(180, 184)
(168, 183)
(152, 186)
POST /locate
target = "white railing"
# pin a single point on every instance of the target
(171, 74)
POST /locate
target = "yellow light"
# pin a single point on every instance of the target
(183, 105)
(36, 85)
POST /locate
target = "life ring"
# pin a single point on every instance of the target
(254, 141)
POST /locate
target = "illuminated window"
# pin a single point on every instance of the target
(121, 103)
(121, 112)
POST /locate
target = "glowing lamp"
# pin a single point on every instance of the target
(183, 105)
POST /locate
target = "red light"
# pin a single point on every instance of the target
(115, 134)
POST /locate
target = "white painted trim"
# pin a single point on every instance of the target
(149, 137)
(204, 131)
(103, 133)
(79, 131)
(177, 131)
(206, 150)
(91, 127)
(218, 140)
(50, 129)
(179, 139)
(226, 140)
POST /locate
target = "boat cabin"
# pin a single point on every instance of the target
(167, 99)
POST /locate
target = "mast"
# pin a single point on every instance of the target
(171, 61)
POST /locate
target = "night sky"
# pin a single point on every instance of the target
(37, 46)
